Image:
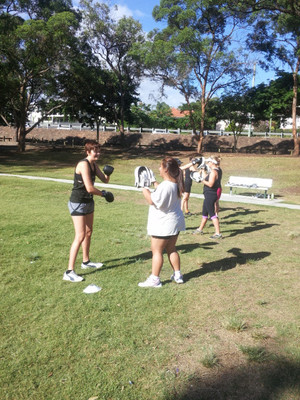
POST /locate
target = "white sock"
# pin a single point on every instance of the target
(155, 278)
(177, 274)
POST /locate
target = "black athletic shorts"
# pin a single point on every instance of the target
(77, 209)
(164, 237)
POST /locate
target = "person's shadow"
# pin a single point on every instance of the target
(119, 262)
(238, 258)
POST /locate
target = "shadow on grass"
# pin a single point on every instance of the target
(278, 379)
(118, 262)
(238, 211)
(238, 258)
(255, 226)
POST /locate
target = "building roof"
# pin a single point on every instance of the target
(179, 114)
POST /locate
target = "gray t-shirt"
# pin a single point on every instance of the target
(165, 217)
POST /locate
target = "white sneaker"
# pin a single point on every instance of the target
(178, 279)
(151, 282)
(72, 277)
(91, 265)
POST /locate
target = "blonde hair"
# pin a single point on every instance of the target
(217, 159)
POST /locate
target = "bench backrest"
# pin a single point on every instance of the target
(245, 181)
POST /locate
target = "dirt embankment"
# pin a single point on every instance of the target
(211, 143)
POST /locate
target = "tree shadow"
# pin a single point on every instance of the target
(238, 258)
(273, 379)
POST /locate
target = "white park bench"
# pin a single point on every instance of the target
(242, 182)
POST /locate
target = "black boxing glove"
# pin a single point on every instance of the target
(108, 196)
(108, 170)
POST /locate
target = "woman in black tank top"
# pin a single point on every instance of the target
(81, 207)
(212, 184)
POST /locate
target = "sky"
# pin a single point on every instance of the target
(141, 10)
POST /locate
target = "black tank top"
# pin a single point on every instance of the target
(79, 193)
(217, 183)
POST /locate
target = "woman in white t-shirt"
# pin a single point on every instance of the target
(165, 221)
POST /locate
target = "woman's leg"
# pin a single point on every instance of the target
(203, 223)
(89, 220)
(173, 255)
(215, 221)
(205, 211)
(79, 226)
(157, 247)
(185, 201)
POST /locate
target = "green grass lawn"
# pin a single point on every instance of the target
(230, 332)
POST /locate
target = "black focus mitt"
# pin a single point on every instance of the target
(198, 161)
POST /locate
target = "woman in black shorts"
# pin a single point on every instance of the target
(81, 207)
(211, 190)
(187, 188)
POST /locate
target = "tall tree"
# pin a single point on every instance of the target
(115, 43)
(276, 33)
(195, 52)
(90, 93)
(32, 54)
(235, 110)
(291, 7)
(277, 36)
(35, 9)
(273, 101)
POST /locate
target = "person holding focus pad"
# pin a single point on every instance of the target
(81, 207)
(165, 221)
(211, 191)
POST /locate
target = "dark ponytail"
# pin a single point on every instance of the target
(172, 166)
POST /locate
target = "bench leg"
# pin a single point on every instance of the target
(230, 191)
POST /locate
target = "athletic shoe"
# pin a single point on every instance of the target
(151, 282)
(178, 279)
(72, 277)
(216, 236)
(198, 232)
(91, 264)
(188, 214)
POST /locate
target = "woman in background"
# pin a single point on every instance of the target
(211, 189)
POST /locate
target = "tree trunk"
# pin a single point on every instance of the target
(294, 112)
(296, 151)
(235, 139)
(200, 141)
(98, 129)
(21, 139)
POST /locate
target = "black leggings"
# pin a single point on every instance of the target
(208, 209)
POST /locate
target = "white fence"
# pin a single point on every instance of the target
(113, 128)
